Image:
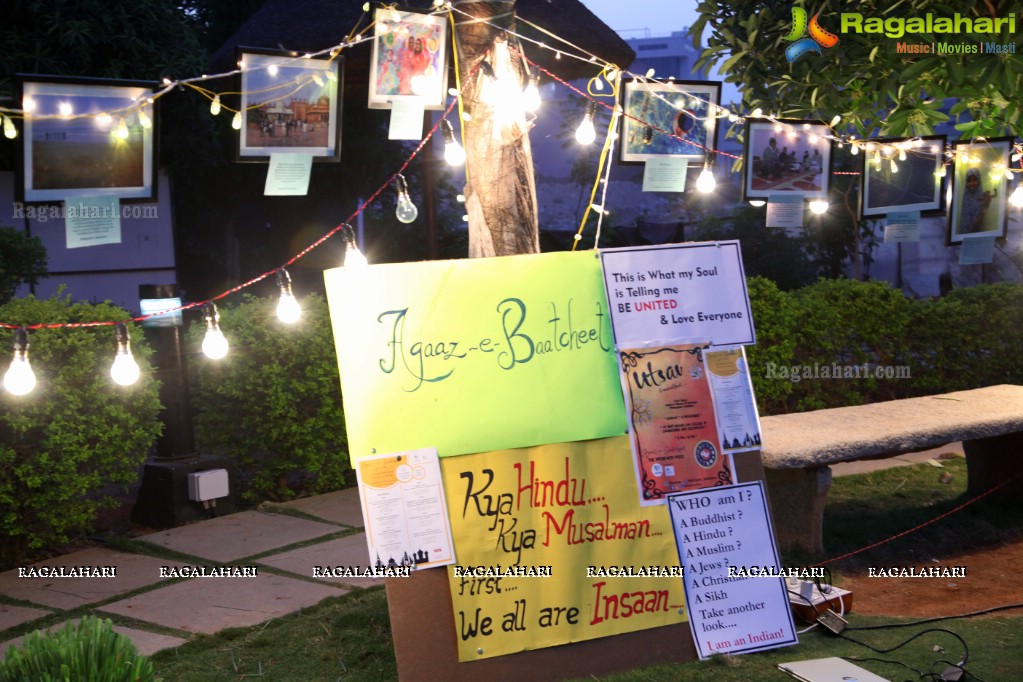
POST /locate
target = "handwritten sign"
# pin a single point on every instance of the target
(475, 355)
(726, 545)
(552, 549)
(678, 291)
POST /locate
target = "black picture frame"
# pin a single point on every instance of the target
(990, 158)
(676, 119)
(916, 184)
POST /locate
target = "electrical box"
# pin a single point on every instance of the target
(208, 485)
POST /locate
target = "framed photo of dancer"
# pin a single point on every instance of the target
(904, 175)
(409, 58)
(977, 195)
(669, 119)
(289, 104)
(787, 157)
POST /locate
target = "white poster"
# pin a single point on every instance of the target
(678, 291)
(735, 409)
(403, 506)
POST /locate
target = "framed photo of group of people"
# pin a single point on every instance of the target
(787, 157)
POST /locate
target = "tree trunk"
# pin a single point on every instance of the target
(500, 195)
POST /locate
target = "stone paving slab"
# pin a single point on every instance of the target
(234, 536)
(208, 605)
(147, 643)
(340, 506)
(11, 616)
(133, 571)
(350, 550)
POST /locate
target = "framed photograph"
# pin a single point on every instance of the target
(913, 183)
(977, 195)
(85, 137)
(289, 104)
(409, 59)
(787, 157)
(669, 119)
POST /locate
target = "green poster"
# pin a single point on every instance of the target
(475, 355)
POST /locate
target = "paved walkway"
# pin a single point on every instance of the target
(277, 547)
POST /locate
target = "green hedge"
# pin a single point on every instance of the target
(274, 403)
(967, 339)
(76, 434)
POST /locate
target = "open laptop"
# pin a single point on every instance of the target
(829, 670)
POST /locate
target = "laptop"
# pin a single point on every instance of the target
(829, 670)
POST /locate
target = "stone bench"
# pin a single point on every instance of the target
(799, 447)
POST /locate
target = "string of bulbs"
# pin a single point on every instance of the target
(20, 379)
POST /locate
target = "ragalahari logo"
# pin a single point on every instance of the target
(817, 39)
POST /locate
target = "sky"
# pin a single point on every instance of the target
(634, 18)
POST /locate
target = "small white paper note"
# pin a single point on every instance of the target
(784, 210)
(977, 249)
(91, 221)
(665, 174)
(902, 226)
(288, 175)
(406, 119)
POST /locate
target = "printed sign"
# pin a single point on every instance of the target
(735, 409)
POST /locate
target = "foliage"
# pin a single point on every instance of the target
(86, 650)
(863, 78)
(76, 434)
(22, 261)
(274, 403)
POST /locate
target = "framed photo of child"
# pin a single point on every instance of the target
(977, 195)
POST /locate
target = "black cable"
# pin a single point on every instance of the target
(939, 618)
(857, 659)
(966, 649)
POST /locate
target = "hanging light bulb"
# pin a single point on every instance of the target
(453, 152)
(144, 119)
(941, 171)
(215, 105)
(214, 344)
(757, 203)
(288, 309)
(405, 211)
(236, 122)
(1016, 198)
(121, 131)
(20, 379)
(353, 257)
(124, 371)
(586, 133)
(10, 132)
(531, 95)
(706, 183)
(819, 206)
(648, 135)
(895, 166)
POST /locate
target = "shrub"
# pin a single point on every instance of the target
(274, 403)
(87, 650)
(76, 434)
(22, 261)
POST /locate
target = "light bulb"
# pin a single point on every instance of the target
(453, 152)
(895, 166)
(353, 256)
(144, 119)
(855, 149)
(706, 182)
(1016, 198)
(288, 309)
(121, 131)
(20, 379)
(531, 95)
(124, 371)
(214, 344)
(819, 206)
(586, 133)
(215, 105)
(757, 202)
(405, 211)
(10, 132)
(236, 122)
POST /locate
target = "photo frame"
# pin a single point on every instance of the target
(801, 163)
(289, 104)
(916, 183)
(980, 208)
(409, 59)
(86, 137)
(668, 119)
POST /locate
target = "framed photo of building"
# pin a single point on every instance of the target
(978, 193)
(289, 104)
(787, 157)
(409, 59)
(86, 137)
(669, 119)
(904, 175)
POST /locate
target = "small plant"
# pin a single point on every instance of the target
(86, 650)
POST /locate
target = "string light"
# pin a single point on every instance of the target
(288, 309)
(121, 131)
(144, 119)
(706, 183)
(214, 344)
(10, 132)
(586, 133)
(124, 370)
(453, 152)
(405, 211)
(20, 379)
(819, 206)
(353, 257)
(215, 105)
(531, 95)
(236, 122)
(1016, 198)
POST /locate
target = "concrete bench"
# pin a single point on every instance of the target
(799, 447)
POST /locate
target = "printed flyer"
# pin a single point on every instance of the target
(734, 406)
(671, 421)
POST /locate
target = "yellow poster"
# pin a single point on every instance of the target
(553, 547)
